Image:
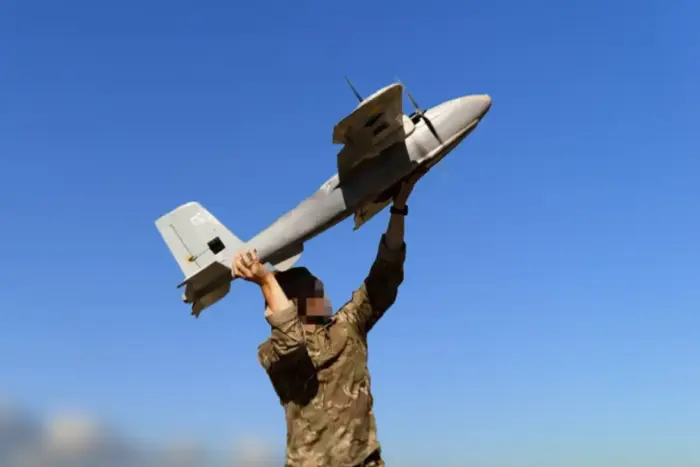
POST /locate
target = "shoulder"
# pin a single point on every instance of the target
(344, 325)
(342, 318)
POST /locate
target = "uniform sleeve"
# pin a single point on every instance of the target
(378, 291)
(286, 339)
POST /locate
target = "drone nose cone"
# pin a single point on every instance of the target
(482, 102)
(472, 107)
(486, 101)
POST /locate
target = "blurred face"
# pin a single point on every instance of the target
(312, 306)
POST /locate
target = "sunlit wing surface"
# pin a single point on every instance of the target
(370, 127)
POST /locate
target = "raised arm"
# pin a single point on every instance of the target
(287, 336)
(380, 288)
(378, 291)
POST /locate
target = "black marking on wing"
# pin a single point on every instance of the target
(372, 120)
(381, 127)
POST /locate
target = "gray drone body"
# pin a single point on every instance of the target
(381, 147)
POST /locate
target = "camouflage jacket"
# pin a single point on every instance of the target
(321, 378)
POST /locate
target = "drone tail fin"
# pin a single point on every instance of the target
(203, 248)
(196, 238)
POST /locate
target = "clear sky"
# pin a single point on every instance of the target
(551, 306)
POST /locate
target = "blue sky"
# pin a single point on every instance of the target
(550, 308)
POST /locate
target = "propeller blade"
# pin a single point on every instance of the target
(420, 113)
(410, 97)
(431, 128)
(357, 94)
(413, 101)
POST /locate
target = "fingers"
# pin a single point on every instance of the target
(243, 263)
(250, 258)
(239, 266)
(239, 270)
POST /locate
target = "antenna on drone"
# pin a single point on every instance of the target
(354, 91)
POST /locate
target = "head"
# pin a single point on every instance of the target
(307, 292)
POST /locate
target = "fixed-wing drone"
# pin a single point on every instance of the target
(381, 147)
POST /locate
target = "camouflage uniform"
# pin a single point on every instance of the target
(322, 379)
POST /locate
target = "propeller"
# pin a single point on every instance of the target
(420, 113)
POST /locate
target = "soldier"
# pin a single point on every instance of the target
(317, 360)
